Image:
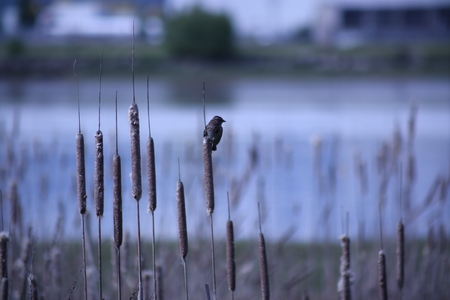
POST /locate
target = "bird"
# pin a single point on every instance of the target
(213, 131)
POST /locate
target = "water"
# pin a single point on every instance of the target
(281, 116)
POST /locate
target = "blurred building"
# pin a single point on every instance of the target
(354, 22)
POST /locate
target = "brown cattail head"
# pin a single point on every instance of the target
(99, 185)
(231, 264)
(81, 174)
(382, 280)
(117, 210)
(345, 258)
(400, 255)
(208, 170)
(344, 282)
(263, 270)
(151, 172)
(182, 228)
(136, 180)
(4, 254)
(33, 287)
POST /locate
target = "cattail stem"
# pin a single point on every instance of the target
(119, 279)
(140, 293)
(83, 246)
(213, 257)
(1, 210)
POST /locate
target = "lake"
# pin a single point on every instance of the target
(306, 131)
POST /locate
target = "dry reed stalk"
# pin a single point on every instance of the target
(136, 176)
(344, 282)
(382, 279)
(33, 287)
(231, 264)
(151, 176)
(81, 182)
(263, 269)
(400, 255)
(182, 228)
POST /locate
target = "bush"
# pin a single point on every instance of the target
(200, 34)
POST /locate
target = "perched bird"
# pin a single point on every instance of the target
(214, 131)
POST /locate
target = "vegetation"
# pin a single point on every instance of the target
(200, 34)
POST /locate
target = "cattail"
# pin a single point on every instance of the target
(209, 181)
(117, 188)
(33, 287)
(151, 176)
(133, 117)
(263, 269)
(231, 264)
(344, 282)
(99, 175)
(81, 174)
(136, 179)
(382, 275)
(4, 254)
(151, 170)
(81, 182)
(99, 185)
(117, 178)
(182, 228)
(400, 255)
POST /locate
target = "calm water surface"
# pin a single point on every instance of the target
(282, 117)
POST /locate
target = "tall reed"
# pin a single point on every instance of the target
(209, 192)
(136, 176)
(151, 176)
(263, 269)
(99, 184)
(81, 182)
(182, 228)
(400, 251)
(117, 207)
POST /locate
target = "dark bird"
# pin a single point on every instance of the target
(214, 131)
